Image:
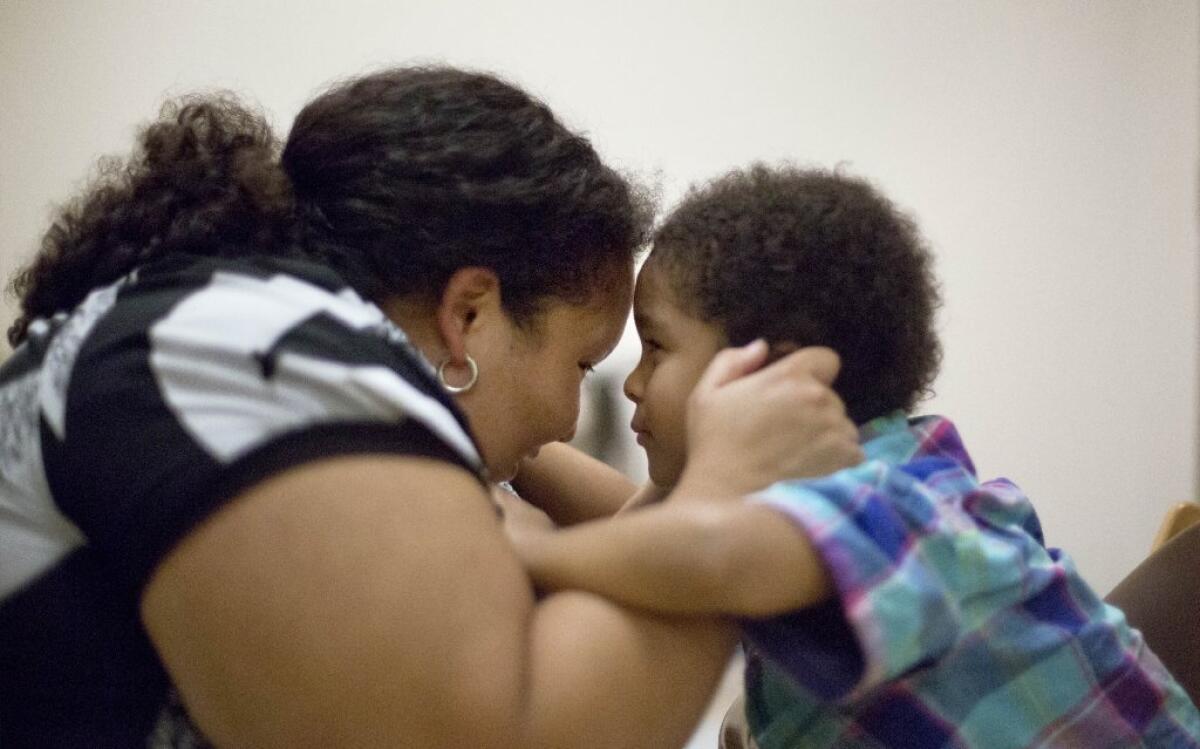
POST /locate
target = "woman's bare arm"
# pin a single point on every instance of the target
(572, 487)
(327, 607)
(374, 600)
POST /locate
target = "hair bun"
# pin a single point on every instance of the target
(204, 179)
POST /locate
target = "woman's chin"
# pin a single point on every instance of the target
(500, 473)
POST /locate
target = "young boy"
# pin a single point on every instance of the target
(899, 602)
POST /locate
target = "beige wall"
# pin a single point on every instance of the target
(1049, 149)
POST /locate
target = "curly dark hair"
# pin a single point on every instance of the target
(811, 257)
(415, 173)
(202, 180)
(395, 179)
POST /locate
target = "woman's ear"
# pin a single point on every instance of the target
(470, 299)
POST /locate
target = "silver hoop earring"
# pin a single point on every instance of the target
(471, 366)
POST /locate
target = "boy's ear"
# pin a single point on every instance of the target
(470, 301)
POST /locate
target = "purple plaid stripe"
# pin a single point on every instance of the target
(953, 625)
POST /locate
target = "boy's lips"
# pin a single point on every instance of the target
(640, 430)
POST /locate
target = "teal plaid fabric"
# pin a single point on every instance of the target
(953, 625)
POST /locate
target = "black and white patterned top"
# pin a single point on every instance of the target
(126, 422)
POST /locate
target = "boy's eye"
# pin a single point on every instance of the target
(586, 368)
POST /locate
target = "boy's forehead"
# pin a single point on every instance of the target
(651, 292)
(655, 281)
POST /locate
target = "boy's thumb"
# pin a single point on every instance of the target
(731, 363)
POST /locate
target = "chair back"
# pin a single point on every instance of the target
(1179, 518)
(1161, 597)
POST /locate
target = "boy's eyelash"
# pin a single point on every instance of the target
(587, 368)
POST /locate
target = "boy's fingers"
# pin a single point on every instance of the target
(732, 363)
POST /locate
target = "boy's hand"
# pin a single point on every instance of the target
(748, 427)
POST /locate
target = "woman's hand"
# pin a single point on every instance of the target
(521, 519)
(748, 427)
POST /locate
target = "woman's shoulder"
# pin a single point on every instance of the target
(197, 379)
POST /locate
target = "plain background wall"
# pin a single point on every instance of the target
(1048, 149)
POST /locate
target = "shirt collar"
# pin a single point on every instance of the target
(896, 439)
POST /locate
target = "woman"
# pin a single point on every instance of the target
(255, 409)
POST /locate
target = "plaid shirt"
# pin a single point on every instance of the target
(953, 625)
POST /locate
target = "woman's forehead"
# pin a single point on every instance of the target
(602, 316)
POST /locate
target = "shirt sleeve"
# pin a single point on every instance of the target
(914, 570)
(179, 399)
